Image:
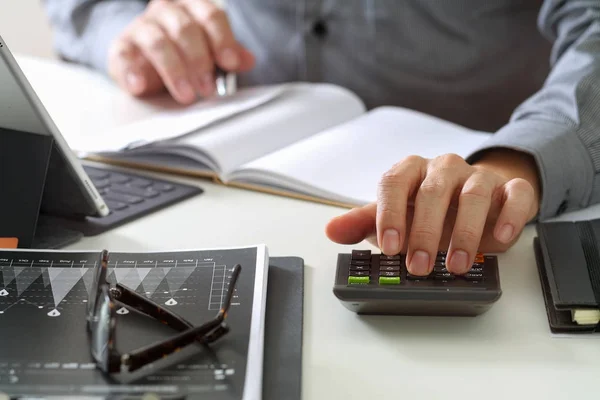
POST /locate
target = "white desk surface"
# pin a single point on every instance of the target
(508, 353)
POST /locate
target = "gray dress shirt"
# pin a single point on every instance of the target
(527, 70)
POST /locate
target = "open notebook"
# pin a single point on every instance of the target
(307, 140)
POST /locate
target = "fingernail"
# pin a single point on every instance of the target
(505, 233)
(185, 89)
(419, 264)
(459, 262)
(230, 59)
(135, 81)
(391, 242)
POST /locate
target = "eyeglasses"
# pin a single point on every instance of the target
(101, 319)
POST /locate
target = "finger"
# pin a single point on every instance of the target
(431, 205)
(354, 226)
(394, 189)
(225, 48)
(128, 67)
(519, 198)
(473, 207)
(162, 53)
(190, 40)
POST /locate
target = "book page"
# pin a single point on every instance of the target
(345, 163)
(173, 123)
(301, 111)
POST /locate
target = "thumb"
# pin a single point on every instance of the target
(354, 226)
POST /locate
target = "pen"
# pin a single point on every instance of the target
(225, 82)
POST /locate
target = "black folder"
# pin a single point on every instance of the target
(282, 375)
(568, 260)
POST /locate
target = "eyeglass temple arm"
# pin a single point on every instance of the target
(154, 352)
(146, 355)
(146, 306)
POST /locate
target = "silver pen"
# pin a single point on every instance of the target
(226, 82)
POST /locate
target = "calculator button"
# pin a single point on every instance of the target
(440, 259)
(389, 273)
(361, 254)
(394, 268)
(417, 277)
(440, 270)
(473, 276)
(360, 262)
(359, 273)
(447, 276)
(353, 280)
(389, 258)
(359, 268)
(476, 270)
(479, 258)
(389, 280)
(389, 262)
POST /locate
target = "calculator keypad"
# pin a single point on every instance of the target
(379, 269)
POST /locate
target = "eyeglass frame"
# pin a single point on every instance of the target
(121, 295)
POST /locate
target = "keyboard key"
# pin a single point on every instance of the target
(96, 174)
(353, 280)
(361, 254)
(140, 182)
(132, 190)
(101, 183)
(389, 280)
(163, 187)
(124, 198)
(116, 205)
(118, 178)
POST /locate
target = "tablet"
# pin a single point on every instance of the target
(68, 191)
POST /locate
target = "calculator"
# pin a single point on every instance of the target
(370, 283)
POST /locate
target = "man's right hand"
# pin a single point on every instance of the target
(175, 44)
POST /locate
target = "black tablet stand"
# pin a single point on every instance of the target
(24, 162)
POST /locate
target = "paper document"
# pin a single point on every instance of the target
(171, 124)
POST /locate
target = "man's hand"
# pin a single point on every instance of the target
(176, 45)
(426, 205)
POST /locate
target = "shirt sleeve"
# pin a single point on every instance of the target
(84, 29)
(560, 124)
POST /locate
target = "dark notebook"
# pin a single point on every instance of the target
(568, 260)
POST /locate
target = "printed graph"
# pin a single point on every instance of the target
(46, 284)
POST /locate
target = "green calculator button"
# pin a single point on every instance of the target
(389, 280)
(358, 280)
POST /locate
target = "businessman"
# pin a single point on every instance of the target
(529, 71)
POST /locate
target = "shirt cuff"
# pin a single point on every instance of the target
(564, 164)
(111, 20)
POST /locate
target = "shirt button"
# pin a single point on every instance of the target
(320, 28)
